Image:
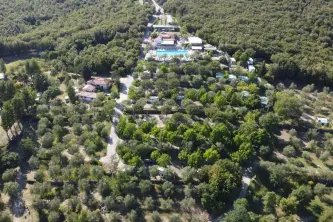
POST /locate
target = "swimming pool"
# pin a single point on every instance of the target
(171, 52)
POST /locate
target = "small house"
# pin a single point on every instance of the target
(243, 78)
(102, 83)
(232, 77)
(180, 98)
(245, 94)
(89, 88)
(169, 19)
(196, 43)
(232, 61)
(219, 75)
(322, 121)
(209, 47)
(87, 96)
(263, 100)
(3, 77)
(250, 61)
(251, 68)
(152, 99)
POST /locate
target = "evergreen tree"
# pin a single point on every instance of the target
(2, 66)
(7, 117)
(262, 70)
(71, 94)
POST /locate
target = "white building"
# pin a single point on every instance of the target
(100, 82)
(2, 76)
(195, 42)
(322, 121)
(232, 77)
(169, 19)
(251, 68)
(87, 96)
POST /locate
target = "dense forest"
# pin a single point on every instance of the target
(295, 35)
(79, 36)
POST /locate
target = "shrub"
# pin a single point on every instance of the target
(289, 151)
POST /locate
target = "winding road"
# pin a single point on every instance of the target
(113, 137)
(126, 82)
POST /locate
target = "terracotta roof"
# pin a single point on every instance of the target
(89, 88)
(99, 81)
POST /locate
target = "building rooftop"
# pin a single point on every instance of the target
(169, 19)
(99, 81)
(89, 88)
(263, 100)
(322, 120)
(196, 47)
(194, 40)
(168, 42)
(166, 26)
(210, 47)
(232, 60)
(251, 68)
(2, 76)
(87, 94)
(243, 78)
(219, 75)
(232, 77)
(245, 94)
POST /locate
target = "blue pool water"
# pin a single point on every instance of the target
(171, 52)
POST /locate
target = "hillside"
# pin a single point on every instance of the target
(284, 32)
(77, 35)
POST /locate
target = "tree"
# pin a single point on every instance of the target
(84, 186)
(18, 107)
(130, 201)
(327, 215)
(224, 177)
(269, 121)
(145, 186)
(238, 214)
(9, 175)
(149, 203)
(288, 107)
(269, 201)
(316, 207)
(166, 109)
(289, 205)
(27, 146)
(153, 171)
(188, 174)
(195, 159)
(320, 189)
(262, 69)
(155, 217)
(211, 155)
(11, 188)
(132, 216)
(220, 133)
(187, 204)
(2, 66)
(7, 117)
(168, 188)
(289, 151)
(164, 160)
(175, 218)
(71, 93)
(47, 140)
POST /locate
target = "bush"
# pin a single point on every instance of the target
(289, 151)
(155, 217)
(47, 140)
(9, 175)
(11, 188)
